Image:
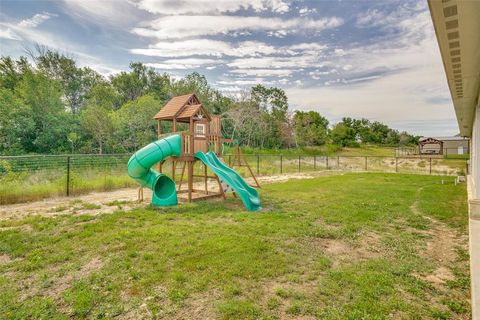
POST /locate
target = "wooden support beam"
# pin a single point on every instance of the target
(206, 178)
(190, 180)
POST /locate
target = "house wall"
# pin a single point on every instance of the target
(451, 147)
(474, 214)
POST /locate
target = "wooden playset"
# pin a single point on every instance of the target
(199, 133)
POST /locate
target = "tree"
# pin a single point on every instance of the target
(141, 80)
(43, 96)
(11, 72)
(343, 135)
(97, 117)
(311, 129)
(134, 123)
(213, 100)
(16, 123)
(76, 82)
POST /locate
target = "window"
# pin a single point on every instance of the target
(200, 129)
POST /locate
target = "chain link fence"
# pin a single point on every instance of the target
(27, 178)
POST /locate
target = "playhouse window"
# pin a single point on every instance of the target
(200, 129)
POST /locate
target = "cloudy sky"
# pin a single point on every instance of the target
(372, 59)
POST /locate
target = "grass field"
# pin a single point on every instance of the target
(330, 150)
(353, 246)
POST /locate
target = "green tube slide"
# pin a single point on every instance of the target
(140, 169)
(227, 175)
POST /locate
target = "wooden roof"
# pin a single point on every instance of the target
(182, 107)
(173, 107)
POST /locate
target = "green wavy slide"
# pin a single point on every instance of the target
(227, 175)
(140, 169)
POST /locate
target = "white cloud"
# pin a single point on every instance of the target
(205, 47)
(182, 64)
(111, 12)
(263, 72)
(306, 11)
(7, 33)
(275, 62)
(242, 82)
(36, 20)
(174, 27)
(179, 7)
(216, 48)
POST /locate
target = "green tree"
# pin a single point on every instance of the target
(134, 123)
(213, 100)
(311, 129)
(343, 135)
(141, 80)
(43, 96)
(97, 117)
(76, 82)
(11, 71)
(16, 123)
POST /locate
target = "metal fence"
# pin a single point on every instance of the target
(25, 178)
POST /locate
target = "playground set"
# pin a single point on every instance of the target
(201, 142)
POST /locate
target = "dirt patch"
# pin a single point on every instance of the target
(5, 258)
(440, 249)
(440, 276)
(341, 251)
(63, 283)
(199, 306)
(107, 202)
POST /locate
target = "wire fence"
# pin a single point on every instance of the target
(27, 178)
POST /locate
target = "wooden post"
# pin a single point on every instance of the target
(181, 177)
(430, 165)
(299, 163)
(314, 162)
(190, 180)
(220, 187)
(326, 162)
(281, 163)
(396, 164)
(206, 179)
(366, 163)
(68, 176)
(258, 164)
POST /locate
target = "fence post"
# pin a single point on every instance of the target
(299, 161)
(258, 164)
(430, 165)
(366, 164)
(314, 162)
(68, 176)
(281, 163)
(327, 162)
(396, 164)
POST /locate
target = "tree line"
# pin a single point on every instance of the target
(48, 104)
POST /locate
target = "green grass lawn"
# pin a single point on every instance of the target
(353, 246)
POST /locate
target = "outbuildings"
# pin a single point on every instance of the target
(455, 145)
